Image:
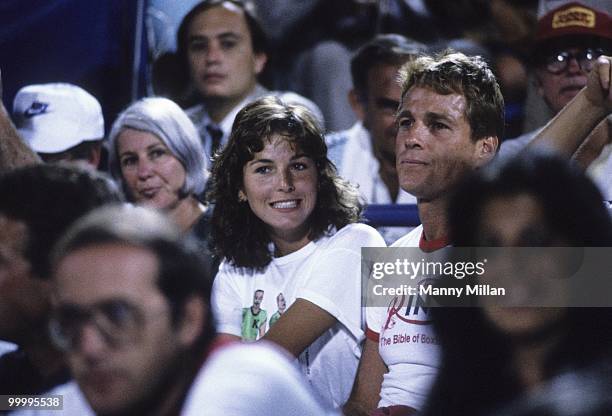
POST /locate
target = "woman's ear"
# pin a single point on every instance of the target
(242, 196)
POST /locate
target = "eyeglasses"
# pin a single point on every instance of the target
(556, 63)
(119, 322)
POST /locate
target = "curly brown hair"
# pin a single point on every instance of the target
(238, 235)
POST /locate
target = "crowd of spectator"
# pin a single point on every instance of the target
(206, 255)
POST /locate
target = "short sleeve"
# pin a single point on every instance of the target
(225, 301)
(334, 282)
(375, 316)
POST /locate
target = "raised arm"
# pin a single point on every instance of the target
(592, 147)
(13, 151)
(573, 124)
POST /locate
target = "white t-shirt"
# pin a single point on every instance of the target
(325, 272)
(406, 344)
(250, 379)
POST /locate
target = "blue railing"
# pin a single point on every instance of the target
(392, 215)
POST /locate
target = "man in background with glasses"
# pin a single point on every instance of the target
(568, 40)
(132, 311)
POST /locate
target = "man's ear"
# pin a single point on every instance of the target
(356, 102)
(193, 318)
(260, 60)
(486, 150)
(94, 155)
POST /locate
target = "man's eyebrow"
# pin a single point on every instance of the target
(196, 37)
(402, 113)
(440, 116)
(222, 35)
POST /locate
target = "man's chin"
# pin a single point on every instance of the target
(104, 409)
(214, 93)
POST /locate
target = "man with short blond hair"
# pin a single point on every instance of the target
(450, 118)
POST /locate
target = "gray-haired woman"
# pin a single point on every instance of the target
(156, 154)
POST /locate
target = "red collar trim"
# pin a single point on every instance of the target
(433, 245)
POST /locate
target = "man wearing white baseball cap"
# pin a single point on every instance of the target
(60, 122)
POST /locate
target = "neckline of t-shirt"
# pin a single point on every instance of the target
(432, 245)
(296, 255)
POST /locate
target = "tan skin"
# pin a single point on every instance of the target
(366, 390)
(280, 174)
(92, 160)
(506, 221)
(434, 149)
(593, 145)
(376, 108)
(222, 63)
(154, 177)
(591, 105)
(14, 152)
(114, 376)
(558, 92)
(25, 301)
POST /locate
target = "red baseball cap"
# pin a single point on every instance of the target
(573, 19)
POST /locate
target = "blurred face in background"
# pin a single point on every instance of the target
(115, 325)
(377, 107)
(152, 175)
(24, 298)
(220, 54)
(563, 71)
(518, 220)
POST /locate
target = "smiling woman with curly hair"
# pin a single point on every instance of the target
(284, 222)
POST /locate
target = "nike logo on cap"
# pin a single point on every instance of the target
(35, 109)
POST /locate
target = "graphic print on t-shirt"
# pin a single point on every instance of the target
(407, 322)
(254, 319)
(281, 305)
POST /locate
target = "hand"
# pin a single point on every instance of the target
(599, 84)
